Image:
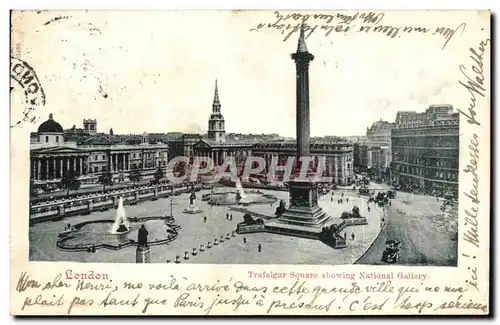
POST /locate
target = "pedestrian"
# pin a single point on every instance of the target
(331, 199)
(231, 216)
(353, 236)
(227, 215)
(244, 240)
(368, 208)
(259, 248)
(347, 200)
(342, 194)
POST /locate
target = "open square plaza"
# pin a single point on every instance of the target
(244, 248)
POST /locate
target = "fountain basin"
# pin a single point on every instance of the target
(192, 210)
(96, 233)
(122, 229)
(234, 198)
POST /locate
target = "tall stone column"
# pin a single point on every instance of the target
(67, 163)
(61, 163)
(123, 161)
(74, 164)
(81, 166)
(39, 171)
(302, 58)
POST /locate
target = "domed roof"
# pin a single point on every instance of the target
(50, 126)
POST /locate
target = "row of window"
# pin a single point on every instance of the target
(47, 139)
(444, 141)
(450, 176)
(134, 155)
(105, 168)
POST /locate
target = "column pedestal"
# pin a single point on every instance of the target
(304, 210)
(142, 254)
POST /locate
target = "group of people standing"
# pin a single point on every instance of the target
(259, 247)
(341, 199)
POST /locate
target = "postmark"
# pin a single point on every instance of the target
(23, 77)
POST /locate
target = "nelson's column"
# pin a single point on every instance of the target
(304, 217)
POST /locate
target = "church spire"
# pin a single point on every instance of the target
(216, 131)
(216, 104)
(302, 47)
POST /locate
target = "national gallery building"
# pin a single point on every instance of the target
(52, 155)
(54, 151)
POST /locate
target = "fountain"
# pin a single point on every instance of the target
(122, 233)
(240, 193)
(121, 224)
(238, 197)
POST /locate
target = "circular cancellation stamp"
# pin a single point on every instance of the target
(24, 78)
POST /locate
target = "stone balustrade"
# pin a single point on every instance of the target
(86, 204)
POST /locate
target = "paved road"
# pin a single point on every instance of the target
(427, 238)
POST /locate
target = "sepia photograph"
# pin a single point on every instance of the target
(250, 138)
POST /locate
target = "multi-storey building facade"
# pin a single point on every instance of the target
(425, 150)
(52, 156)
(378, 144)
(339, 158)
(360, 155)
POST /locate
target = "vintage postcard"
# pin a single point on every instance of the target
(250, 162)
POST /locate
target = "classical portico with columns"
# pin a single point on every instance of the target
(51, 156)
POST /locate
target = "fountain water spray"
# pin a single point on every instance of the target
(121, 224)
(239, 189)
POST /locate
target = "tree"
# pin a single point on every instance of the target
(135, 175)
(159, 174)
(106, 179)
(111, 131)
(381, 200)
(70, 181)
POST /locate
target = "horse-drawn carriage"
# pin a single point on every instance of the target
(391, 252)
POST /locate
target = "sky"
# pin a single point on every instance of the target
(155, 71)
